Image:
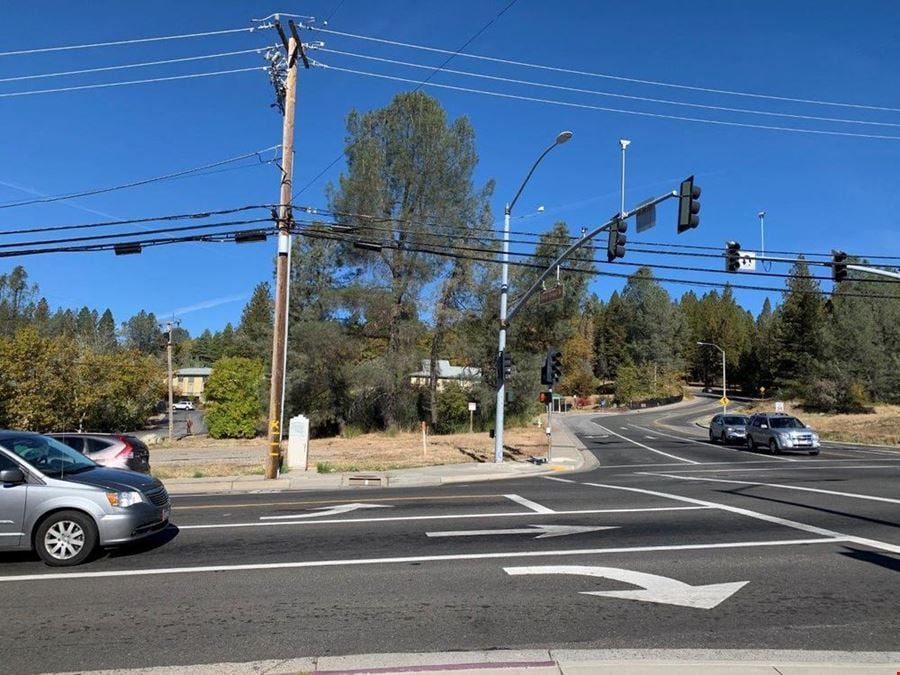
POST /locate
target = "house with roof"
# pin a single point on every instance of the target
(190, 383)
(465, 376)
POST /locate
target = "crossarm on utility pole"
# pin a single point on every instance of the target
(574, 247)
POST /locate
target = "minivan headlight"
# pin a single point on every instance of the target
(124, 499)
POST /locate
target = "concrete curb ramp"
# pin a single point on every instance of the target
(563, 661)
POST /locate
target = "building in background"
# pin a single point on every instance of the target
(190, 383)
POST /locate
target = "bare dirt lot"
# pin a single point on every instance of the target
(198, 456)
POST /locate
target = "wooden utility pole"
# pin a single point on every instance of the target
(276, 384)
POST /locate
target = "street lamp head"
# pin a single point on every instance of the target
(563, 136)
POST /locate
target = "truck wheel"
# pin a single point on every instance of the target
(66, 538)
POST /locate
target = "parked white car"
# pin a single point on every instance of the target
(182, 405)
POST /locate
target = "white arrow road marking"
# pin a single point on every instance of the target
(662, 590)
(328, 511)
(545, 531)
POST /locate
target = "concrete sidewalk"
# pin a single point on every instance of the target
(567, 455)
(563, 662)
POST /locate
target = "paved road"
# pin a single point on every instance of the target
(684, 544)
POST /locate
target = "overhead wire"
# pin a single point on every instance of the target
(589, 260)
(547, 237)
(618, 78)
(688, 282)
(145, 181)
(595, 92)
(418, 85)
(587, 106)
(136, 221)
(105, 85)
(115, 43)
(143, 64)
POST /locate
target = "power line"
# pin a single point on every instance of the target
(146, 181)
(85, 71)
(595, 92)
(586, 106)
(184, 36)
(606, 76)
(544, 237)
(589, 260)
(129, 82)
(687, 282)
(418, 86)
(214, 237)
(162, 230)
(136, 221)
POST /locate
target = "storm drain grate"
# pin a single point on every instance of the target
(366, 480)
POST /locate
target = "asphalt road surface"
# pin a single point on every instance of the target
(672, 542)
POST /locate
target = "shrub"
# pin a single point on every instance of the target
(233, 398)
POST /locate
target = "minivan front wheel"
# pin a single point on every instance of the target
(66, 538)
(773, 447)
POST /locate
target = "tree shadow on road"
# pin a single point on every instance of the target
(744, 492)
(879, 559)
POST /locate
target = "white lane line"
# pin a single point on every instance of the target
(517, 514)
(851, 495)
(528, 504)
(647, 447)
(412, 559)
(705, 444)
(806, 463)
(812, 529)
(867, 451)
(842, 467)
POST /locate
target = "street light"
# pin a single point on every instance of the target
(561, 138)
(724, 397)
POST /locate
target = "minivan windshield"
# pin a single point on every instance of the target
(47, 455)
(786, 423)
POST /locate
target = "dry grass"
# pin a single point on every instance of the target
(207, 470)
(880, 427)
(366, 452)
(379, 452)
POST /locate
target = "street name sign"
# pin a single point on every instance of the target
(552, 294)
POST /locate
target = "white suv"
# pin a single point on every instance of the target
(183, 405)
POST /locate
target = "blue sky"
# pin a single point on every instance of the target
(819, 191)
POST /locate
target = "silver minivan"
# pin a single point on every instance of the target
(62, 505)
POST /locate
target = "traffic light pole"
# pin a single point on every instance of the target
(574, 247)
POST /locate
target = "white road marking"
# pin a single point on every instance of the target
(868, 451)
(851, 495)
(806, 463)
(705, 444)
(411, 559)
(812, 529)
(389, 519)
(528, 504)
(657, 588)
(652, 438)
(843, 467)
(321, 511)
(545, 531)
(647, 447)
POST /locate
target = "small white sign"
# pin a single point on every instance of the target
(747, 261)
(472, 406)
(779, 406)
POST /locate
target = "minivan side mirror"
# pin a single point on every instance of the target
(12, 476)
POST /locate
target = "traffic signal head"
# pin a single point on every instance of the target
(615, 247)
(555, 358)
(688, 205)
(838, 266)
(732, 256)
(504, 366)
(545, 397)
